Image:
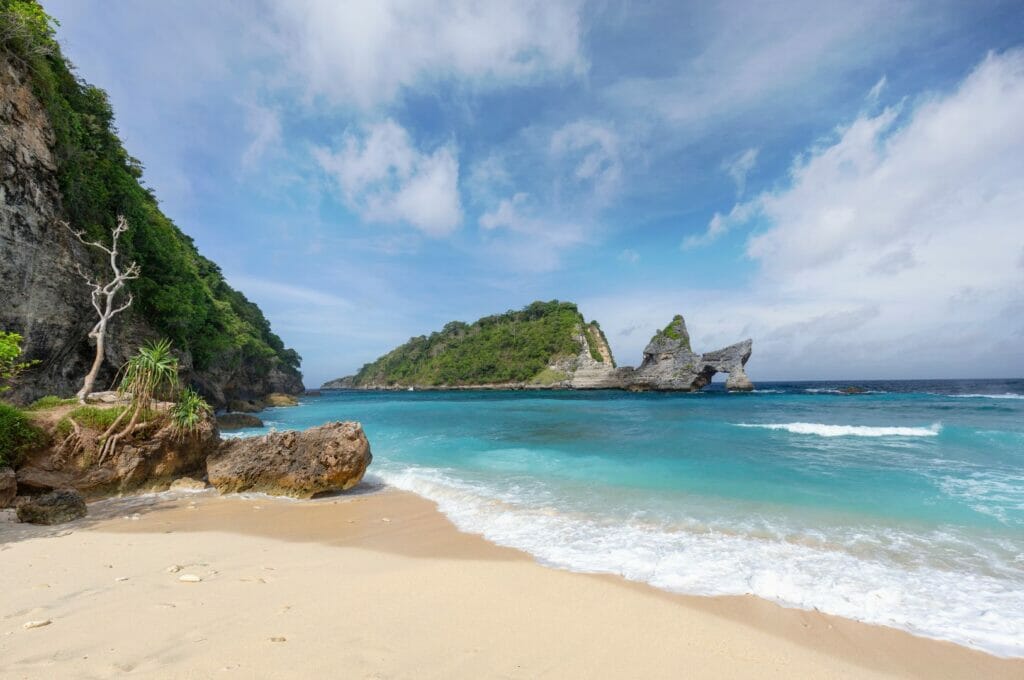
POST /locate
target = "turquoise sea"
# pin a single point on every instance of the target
(903, 506)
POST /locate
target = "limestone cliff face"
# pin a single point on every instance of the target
(43, 298)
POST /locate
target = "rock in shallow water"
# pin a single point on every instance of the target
(56, 507)
(332, 457)
(238, 421)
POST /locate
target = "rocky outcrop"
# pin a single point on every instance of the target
(44, 298)
(238, 421)
(56, 507)
(332, 457)
(670, 364)
(149, 459)
(8, 487)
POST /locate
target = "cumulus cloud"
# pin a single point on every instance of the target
(904, 231)
(629, 256)
(739, 166)
(788, 51)
(264, 124)
(364, 53)
(385, 178)
(526, 240)
(592, 149)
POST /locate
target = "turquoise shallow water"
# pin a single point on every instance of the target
(903, 506)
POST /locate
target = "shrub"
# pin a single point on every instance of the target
(17, 435)
(189, 411)
(10, 367)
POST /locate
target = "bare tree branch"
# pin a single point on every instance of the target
(102, 295)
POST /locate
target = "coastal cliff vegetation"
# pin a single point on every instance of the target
(179, 293)
(515, 346)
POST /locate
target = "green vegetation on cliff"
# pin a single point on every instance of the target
(512, 347)
(180, 293)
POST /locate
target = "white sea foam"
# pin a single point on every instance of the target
(964, 606)
(1007, 395)
(824, 430)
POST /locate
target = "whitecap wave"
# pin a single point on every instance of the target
(825, 430)
(1006, 395)
(978, 610)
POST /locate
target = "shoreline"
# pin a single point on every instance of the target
(385, 570)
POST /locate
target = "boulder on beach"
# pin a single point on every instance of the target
(56, 507)
(238, 421)
(187, 484)
(332, 457)
(8, 487)
(245, 406)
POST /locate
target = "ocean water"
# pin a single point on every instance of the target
(903, 506)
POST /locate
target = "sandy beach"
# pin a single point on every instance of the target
(381, 585)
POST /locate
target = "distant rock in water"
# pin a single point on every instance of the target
(543, 346)
(853, 389)
(332, 457)
(670, 363)
(238, 421)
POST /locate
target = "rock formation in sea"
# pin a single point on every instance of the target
(44, 298)
(669, 363)
(331, 457)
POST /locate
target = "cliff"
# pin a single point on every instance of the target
(568, 353)
(61, 160)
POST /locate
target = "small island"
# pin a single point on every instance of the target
(546, 345)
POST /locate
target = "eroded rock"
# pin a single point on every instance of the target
(8, 487)
(56, 507)
(331, 457)
(149, 459)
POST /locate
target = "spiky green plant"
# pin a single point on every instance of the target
(151, 373)
(189, 412)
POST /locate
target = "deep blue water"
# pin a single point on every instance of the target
(903, 506)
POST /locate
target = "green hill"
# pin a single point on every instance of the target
(180, 294)
(517, 346)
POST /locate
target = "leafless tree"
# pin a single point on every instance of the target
(103, 296)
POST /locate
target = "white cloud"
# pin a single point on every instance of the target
(739, 166)
(384, 178)
(894, 249)
(875, 93)
(593, 151)
(364, 53)
(788, 52)
(629, 256)
(264, 125)
(526, 241)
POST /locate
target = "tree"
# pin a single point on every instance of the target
(103, 296)
(10, 367)
(151, 373)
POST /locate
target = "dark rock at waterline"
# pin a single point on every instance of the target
(238, 421)
(8, 487)
(56, 507)
(853, 389)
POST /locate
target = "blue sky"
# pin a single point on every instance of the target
(844, 184)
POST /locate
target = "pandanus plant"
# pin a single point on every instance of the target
(151, 373)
